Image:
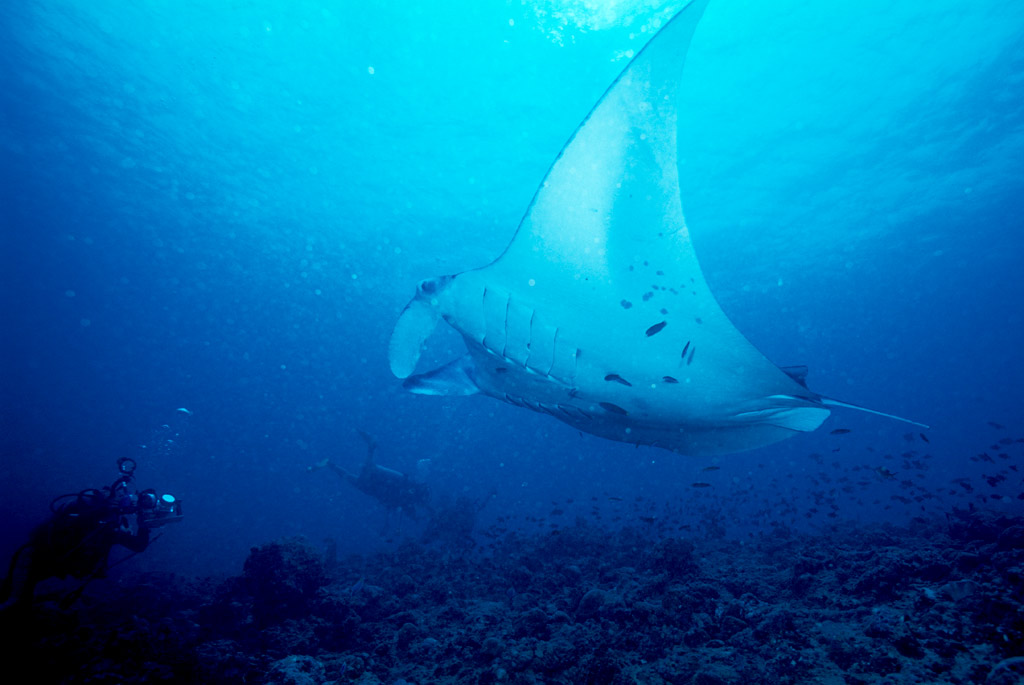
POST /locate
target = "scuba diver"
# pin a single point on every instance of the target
(393, 489)
(77, 539)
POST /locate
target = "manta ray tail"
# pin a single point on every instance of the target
(836, 403)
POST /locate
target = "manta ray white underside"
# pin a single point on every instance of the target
(597, 313)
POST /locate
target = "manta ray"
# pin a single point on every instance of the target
(597, 313)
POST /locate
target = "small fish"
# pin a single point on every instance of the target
(885, 473)
(711, 468)
(997, 426)
(618, 379)
(613, 408)
(924, 437)
(700, 485)
(357, 587)
(689, 360)
(184, 411)
(656, 328)
(686, 349)
(613, 498)
(668, 379)
(840, 431)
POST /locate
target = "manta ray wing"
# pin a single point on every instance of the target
(597, 313)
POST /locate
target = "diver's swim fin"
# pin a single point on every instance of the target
(371, 445)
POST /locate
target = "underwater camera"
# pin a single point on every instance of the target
(158, 511)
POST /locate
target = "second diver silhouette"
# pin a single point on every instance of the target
(395, 490)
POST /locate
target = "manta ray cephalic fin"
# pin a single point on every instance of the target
(454, 378)
(415, 324)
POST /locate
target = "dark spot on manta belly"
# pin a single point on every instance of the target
(618, 379)
(656, 328)
(626, 304)
(613, 408)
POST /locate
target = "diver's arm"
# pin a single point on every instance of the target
(137, 542)
(19, 585)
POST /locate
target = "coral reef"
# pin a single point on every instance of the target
(577, 605)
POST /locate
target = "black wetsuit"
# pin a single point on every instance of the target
(393, 489)
(75, 541)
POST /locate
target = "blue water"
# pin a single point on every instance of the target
(224, 207)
